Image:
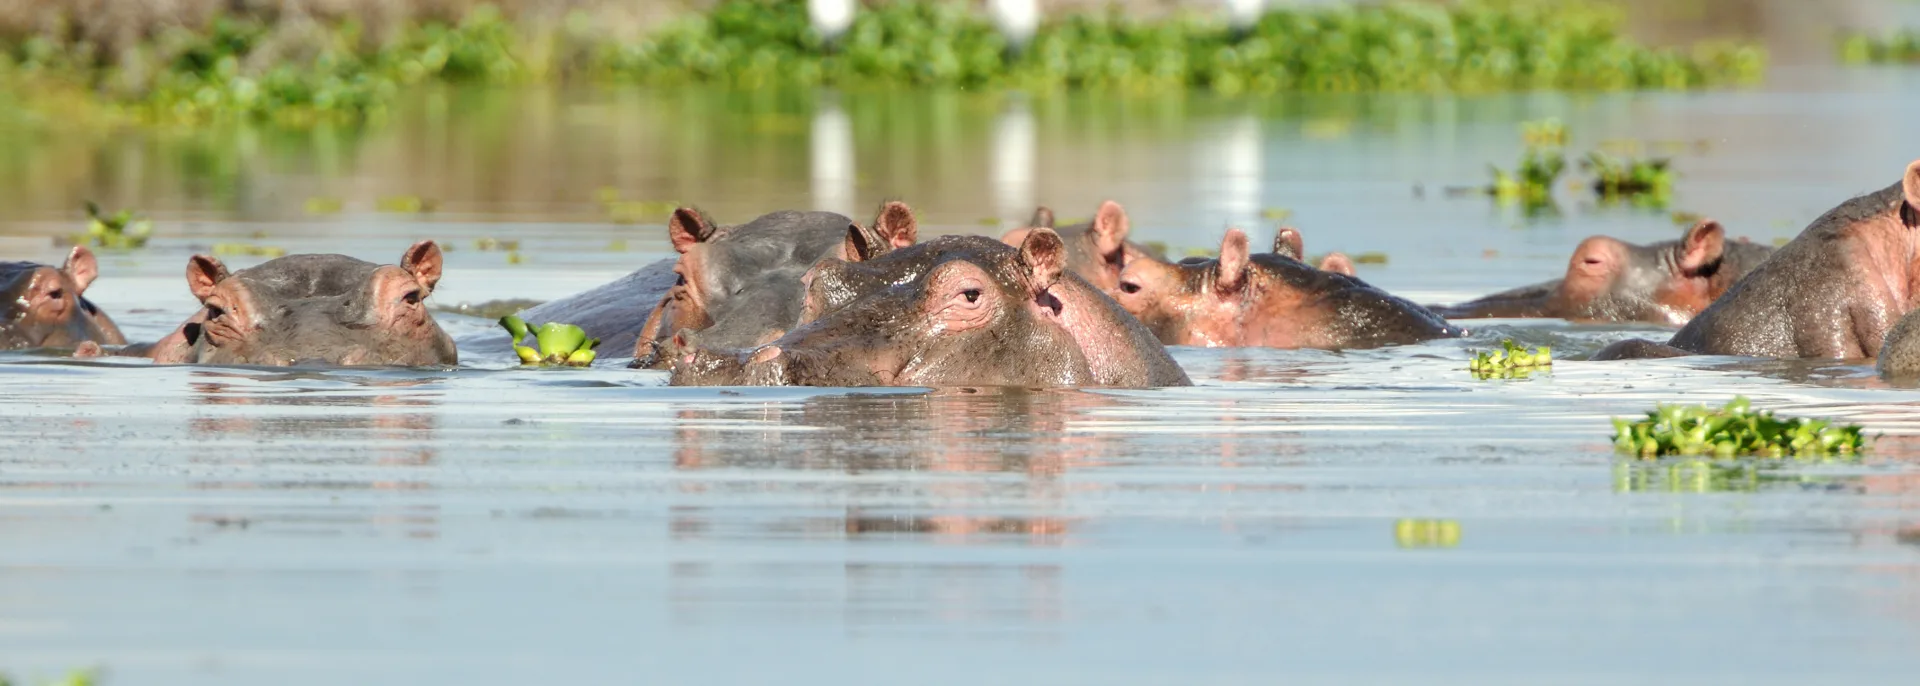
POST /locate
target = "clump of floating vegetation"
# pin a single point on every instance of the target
(246, 65)
(1531, 182)
(82, 677)
(1734, 430)
(248, 250)
(1511, 361)
(121, 230)
(1903, 46)
(1644, 181)
(1617, 176)
(558, 344)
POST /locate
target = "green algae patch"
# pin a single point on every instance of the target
(555, 344)
(1734, 430)
(1510, 361)
(121, 230)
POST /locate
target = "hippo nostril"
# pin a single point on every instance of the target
(765, 355)
(1046, 301)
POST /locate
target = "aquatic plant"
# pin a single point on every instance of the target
(248, 249)
(1647, 182)
(78, 677)
(1903, 46)
(1732, 431)
(559, 344)
(1542, 163)
(118, 231)
(248, 64)
(1510, 361)
(1426, 533)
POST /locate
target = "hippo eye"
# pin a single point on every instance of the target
(679, 279)
(1129, 287)
(972, 295)
(412, 297)
(57, 294)
(214, 312)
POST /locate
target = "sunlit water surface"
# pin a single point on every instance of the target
(1366, 517)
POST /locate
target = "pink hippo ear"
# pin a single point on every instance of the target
(1337, 263)
(1042, 217)
(1910, 212)
(81, 267)
(1233, 261)
(893, 228)
(423, 261)
(687, 227)
(204, 272)
(1702, 245)
(1287, 242)
(1044, 256)
(1110, 231)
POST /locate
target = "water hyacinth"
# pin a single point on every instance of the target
(557, 344)
(1899, 47)
(1735, 430)
(1644, 181)
(1510, 361)
(116, 231)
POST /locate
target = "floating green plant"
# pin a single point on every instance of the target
(1530, 184)
(1644, 181)
(324, 205)
(118, 231)
(1426, 533)
(78, 677)
(248, 249)
(406, 204)
(1510, 361)
(1903, 46)
(1368, 258)
(1735, 430)
(557, 344)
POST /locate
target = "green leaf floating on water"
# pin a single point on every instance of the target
(1510, 361)
(1735, 430)
(558, 344)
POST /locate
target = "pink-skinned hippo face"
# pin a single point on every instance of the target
(313, 309)
(45, 306)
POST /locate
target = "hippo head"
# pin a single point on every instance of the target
(313, 309)
(740, 286)
(958, 310)
(1268, 300)
(1096, 250)
(1614, 281)
(45, 307)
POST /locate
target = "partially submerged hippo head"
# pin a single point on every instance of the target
(1096, 249)
(954, 311)
(1268, 300)
(1609, 280)
(313, 309)
(45, 307)
(739, 286)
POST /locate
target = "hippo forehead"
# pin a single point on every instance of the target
(1298, 275)
(16, 275)
(301, 277)
(776, 239)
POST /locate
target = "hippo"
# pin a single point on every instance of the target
(46, 306)
(1287, 242)
(1832, 292)
(1900, 354)
(1269, 300)
(1609, 280)
(730, 286)
(312, 309)
(953, 311)
(1096, 249)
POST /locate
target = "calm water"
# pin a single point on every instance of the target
(1371, 517)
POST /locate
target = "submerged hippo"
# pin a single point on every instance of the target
(46, 307)
(1833, 292)
(1270, 300)
(735, 285)
(313, 309)
(954, 311)
(1096, 249)
(1609, 280)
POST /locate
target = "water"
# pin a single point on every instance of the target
(1367, 517)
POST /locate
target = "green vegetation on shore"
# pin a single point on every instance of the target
(248, 66)
(1899, 47)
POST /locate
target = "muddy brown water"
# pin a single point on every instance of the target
(1363, 517)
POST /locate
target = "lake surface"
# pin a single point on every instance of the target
(1308, 517)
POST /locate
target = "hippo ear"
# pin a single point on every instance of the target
(1044, 256)
(1702, 245)
(895, 225)
(1287, 242)
(423, 261)
(203, 273)
(1337, 263)
(1042, 217)
(1233, 261)
(81, 267)
(687, 227)
(1110, 229)
(1910, 211)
